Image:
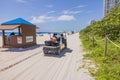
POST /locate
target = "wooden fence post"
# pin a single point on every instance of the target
(105, 48)
(93, 41)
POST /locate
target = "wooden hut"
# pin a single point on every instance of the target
(26, 36)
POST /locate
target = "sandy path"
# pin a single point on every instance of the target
(14, 55)
(51, 67)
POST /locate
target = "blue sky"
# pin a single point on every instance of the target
(53, 15)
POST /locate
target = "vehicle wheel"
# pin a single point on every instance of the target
(58, 52)
(45, 52)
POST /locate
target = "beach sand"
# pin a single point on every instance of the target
(31, 64)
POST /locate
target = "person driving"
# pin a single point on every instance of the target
(54, 38)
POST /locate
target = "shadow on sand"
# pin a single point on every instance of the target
(62, 54)
(21, 49)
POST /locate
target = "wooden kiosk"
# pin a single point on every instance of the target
(26, 36)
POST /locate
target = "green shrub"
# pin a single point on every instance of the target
(109, 68)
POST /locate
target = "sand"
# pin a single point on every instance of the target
(32, 64)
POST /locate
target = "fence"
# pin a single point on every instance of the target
(105, 41)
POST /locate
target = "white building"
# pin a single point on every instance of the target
(108, 4)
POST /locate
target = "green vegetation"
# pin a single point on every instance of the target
(109, 25)
(109, 65)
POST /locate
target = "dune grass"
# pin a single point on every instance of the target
(109, 65)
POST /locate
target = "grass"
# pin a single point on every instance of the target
(109, 65)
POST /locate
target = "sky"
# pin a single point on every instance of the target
(53, 15)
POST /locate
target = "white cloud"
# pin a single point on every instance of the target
(50, 12)
(76, 7)
(42, 19)
(74, 10)
(66, 18)
(71, 12)
(80, 6)
(21, 1)
(49, 6)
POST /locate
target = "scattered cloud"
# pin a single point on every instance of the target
(80, 6)
(51, 12)
(42, 19)
(65, 15)
(71, 12)
(66, 18)
(76, 7)
(21, 1)
(49, 6)
(74, 10)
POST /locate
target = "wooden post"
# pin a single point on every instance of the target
(105, 48)
(93, 41)
(3, 38)
(19, 31)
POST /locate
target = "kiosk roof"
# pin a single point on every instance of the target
(8, 27)
(17, 21)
